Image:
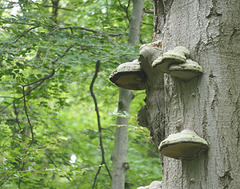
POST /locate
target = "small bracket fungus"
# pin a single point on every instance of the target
(129, 76)
(184, 145)
(176, 56)
(186, 71)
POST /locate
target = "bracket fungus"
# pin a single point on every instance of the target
(184, 145)
(176, 56)
(186, 71)
(129, 75)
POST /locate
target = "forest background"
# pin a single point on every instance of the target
(48, 125)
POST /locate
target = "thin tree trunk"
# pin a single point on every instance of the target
(120, 165)
(135, 22)
(209, 104)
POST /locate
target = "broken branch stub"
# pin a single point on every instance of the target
(142, 118)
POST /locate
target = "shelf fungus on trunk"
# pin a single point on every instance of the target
(129, 75)
(186, 71)
(184, 145)
(176, 56)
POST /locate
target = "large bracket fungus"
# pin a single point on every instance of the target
(176, 56)
(129, 75)
(176, 63)
(184, 145)
(186, 71)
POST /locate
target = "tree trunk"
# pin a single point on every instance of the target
(209, 104)
(120, 166)
(135, 22)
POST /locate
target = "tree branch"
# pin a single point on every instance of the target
(50, 159)
(62, 28)
(24, 33)
(99, 126)
(6, 178)
(89, 30)
(41, 80)
(148, 11)
(59, 7)
(55, 10)
(16, 114)
(37, 82)
(26, 113)
(109, 130)
(125, 8)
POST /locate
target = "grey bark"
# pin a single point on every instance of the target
(135, 22)
(210, 104)
(120, 165)
(155, 105)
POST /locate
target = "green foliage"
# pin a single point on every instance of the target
(47, 114)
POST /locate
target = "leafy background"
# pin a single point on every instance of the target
(48, 126)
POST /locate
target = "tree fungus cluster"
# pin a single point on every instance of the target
(186, 144)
